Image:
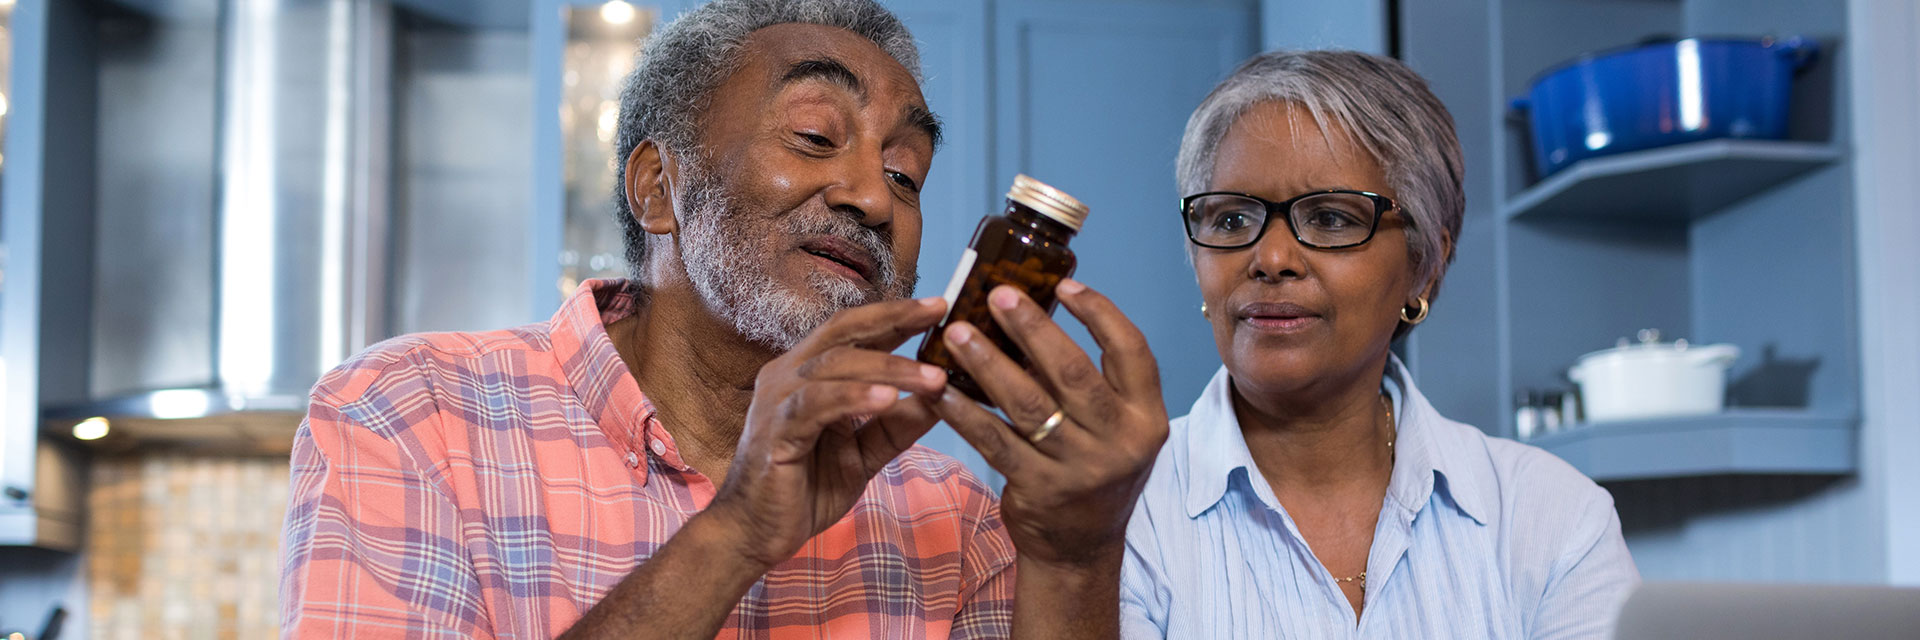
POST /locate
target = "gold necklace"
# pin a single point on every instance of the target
(1393, 433)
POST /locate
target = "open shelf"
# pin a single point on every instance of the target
(1681, 182)
(1739, 441)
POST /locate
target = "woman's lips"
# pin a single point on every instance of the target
(1279, 317)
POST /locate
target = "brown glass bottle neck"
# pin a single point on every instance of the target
(1024, 216)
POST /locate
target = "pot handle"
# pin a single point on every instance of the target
(1717, 355)
(1517, 109)
(1801, 51)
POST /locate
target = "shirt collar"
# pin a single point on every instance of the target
(596, 375)
(1215, 447)
(1435, 454)
(1431, 451)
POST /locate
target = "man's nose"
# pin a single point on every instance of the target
(861, 190)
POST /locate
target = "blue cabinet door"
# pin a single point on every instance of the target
(1092, 97)
(953, 40)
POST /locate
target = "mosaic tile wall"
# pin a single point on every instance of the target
(185, 546)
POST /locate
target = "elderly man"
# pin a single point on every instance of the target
(722, 445)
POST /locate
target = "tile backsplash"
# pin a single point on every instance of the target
(185, 546)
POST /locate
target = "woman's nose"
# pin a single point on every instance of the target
(1278, 255)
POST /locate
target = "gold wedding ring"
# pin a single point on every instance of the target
(1046, 428)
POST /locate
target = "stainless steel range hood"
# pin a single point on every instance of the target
(241, 210)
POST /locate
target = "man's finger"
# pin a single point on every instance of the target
(854, 364)
(1124, 355)
(895, 430)
(882, 326)
(814, 406)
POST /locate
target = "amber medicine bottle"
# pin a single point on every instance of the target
(1024, 246)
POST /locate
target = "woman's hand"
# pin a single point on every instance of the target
(1069, 494)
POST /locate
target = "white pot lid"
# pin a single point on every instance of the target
(1651, 349)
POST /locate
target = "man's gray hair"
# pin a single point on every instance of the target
(1383, 105)
(687, 59)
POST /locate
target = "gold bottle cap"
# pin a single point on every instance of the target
(1050, 202)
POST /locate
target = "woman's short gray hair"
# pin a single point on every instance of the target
(1381, 103)
(686, 60)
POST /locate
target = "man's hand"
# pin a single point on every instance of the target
(1068, 495)
(825, 418)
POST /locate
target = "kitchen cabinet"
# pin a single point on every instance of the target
(1744, 242)
(1738, 241)
(210, 203)
(49, 261)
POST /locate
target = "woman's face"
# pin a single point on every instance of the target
(1287, 317)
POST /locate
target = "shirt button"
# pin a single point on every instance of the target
(659, 447)
(633, 459)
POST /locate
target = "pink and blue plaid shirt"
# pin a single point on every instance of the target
(497, 485)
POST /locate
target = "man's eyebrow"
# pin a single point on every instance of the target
(827, 69)
(921, 119)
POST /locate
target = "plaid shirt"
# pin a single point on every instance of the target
(497, 485)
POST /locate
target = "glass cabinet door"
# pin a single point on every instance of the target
(602, 45)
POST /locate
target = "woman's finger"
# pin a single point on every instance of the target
(1005, 449)
(1062, 365)
(1125, 357)
(1025, 402)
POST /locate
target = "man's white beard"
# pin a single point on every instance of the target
(731, 265)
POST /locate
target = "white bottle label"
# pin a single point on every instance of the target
(959, 277)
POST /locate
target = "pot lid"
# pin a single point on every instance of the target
(1764, 41)
(1648, 342)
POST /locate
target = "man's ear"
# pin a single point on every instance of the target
(650, 188)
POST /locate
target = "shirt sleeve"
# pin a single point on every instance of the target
(1591, 580)
(986, 606)
(1143, 592)
(371, 545)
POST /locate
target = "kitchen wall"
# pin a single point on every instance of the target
(461, 141)
(1361, 25)
(33, 581)
(1862, 528)
(1859, 527)
(1771, 528)
(185, 546)
(1886, 42)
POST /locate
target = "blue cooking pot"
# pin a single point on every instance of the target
(1663, 93)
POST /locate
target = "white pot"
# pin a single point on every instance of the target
(1653, 379)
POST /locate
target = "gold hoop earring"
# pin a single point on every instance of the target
(1418, 317)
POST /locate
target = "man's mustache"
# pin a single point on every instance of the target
(876, 243)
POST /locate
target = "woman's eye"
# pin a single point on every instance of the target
(904, 181)
(1329, 219)
(1232, 222)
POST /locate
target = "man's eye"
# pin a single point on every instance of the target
(815, 139)
(904, 181)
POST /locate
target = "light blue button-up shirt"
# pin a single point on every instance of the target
(1478, 537)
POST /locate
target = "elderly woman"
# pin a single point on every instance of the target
(1312, 492)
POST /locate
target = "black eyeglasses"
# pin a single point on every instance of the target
(1333, 219)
